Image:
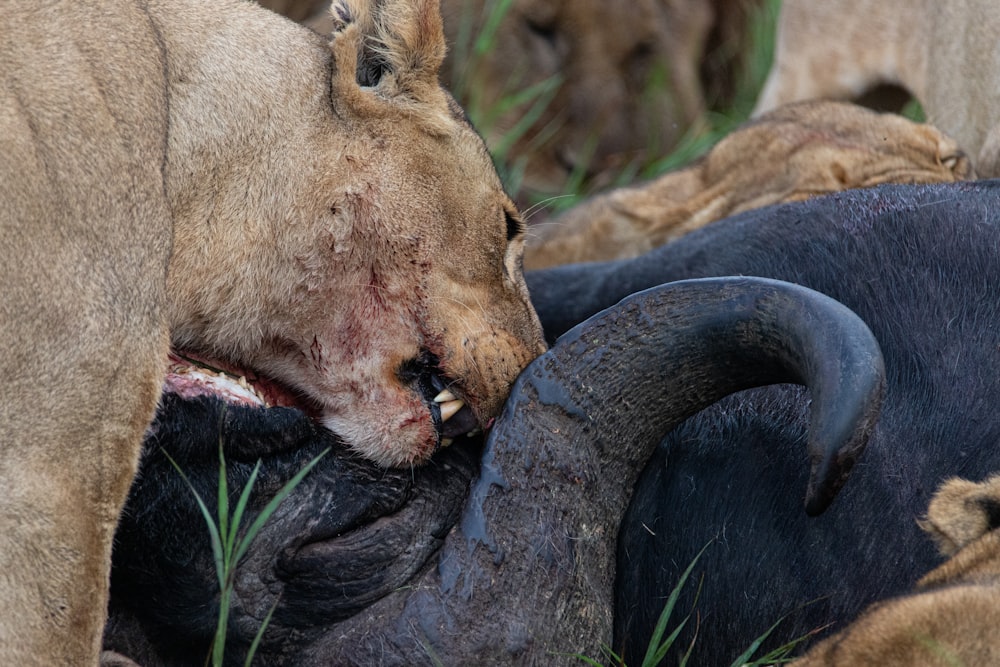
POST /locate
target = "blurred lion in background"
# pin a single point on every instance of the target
(574, 94)
(944, 54)
(792, 153)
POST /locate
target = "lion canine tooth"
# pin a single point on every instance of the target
(449, 408)
(446, 442)
(445, 396)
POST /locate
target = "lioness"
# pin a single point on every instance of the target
(943, 53)
(791, 153)
(217, 178)
(953, 616)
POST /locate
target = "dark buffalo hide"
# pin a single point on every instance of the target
(347, 535)
(368, 566)
(921, 266)
(918, 264)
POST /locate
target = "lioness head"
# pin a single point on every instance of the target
(340, 228)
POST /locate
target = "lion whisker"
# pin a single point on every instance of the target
(535, 208)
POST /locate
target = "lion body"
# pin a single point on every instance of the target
(797, 151)
(217, 178)
(943, 53)
(952, 617)
(74, 124)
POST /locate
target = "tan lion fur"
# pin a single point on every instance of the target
(943, 52)
(789, 154)
(953, 616)
(215, 176)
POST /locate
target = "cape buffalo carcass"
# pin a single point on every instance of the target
(363, 565)
(921, 266)
(918, 264)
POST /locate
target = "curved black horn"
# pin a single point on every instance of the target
(527, 576)
(632, 372)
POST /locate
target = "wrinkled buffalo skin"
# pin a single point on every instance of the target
(333, 578)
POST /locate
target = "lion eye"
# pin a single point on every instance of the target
(514, 226)
(545, 32)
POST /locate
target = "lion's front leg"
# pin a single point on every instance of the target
(84, 242)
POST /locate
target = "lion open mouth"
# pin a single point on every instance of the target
(190, 376)
(452, 417)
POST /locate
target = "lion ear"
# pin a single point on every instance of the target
(961, 512)
(387, 50)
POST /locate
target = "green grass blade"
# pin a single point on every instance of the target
(225, 532)
(226, 550)
(259, 636)
(661, 623)
(746, 655)
(213, 530)
(540, 95)
(221, 628)
(220, 556)
(575, 183)
(241, 505)
(487, 36)
(271, 506)
(778, 655)
(689, 651)
(541, 90)
(664, 646)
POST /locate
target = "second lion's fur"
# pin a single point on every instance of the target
(789, 154)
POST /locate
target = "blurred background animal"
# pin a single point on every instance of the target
(942, 53)
(791, 153)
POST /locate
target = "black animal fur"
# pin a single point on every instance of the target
(921, 266)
